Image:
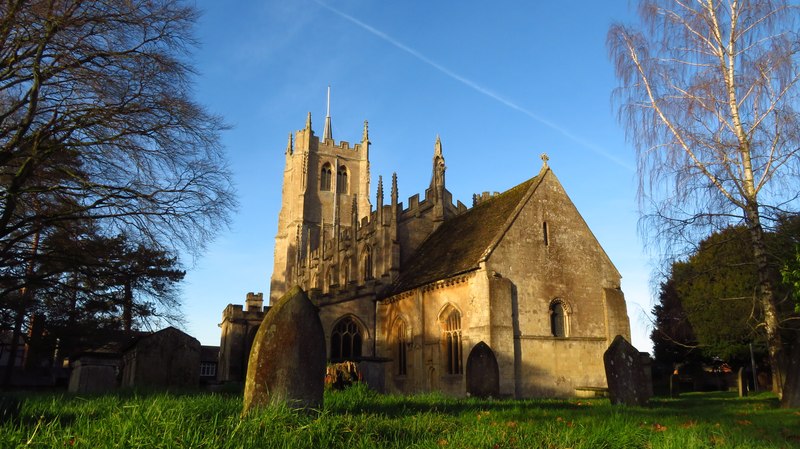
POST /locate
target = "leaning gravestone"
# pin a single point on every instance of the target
(287, 361)
(627, 384)
(483, 374)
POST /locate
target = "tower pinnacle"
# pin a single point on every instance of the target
(327, 133)
(437, 177)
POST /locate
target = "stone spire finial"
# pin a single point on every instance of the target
(365, 136)
(437, 178)
(327, 133)
(380, 192)
(545, 158)
(289, 146)
(394, 189)
(308, 121)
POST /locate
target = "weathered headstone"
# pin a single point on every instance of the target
(483, 373)
(627, 384)
(741, 381)
(287, 361)
(791, 388)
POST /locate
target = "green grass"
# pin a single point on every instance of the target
(359, 418)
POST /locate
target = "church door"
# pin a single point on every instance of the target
(483, 373)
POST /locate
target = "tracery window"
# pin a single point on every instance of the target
(451, 342)
(401, 344)
(325, 177)
(341, 179)
(558, 318)
(346, 340)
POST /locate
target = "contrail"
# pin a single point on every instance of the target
(477, 87)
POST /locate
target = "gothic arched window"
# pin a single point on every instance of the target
(325, 177)
(400, 350)
(451, 341)
(341, 179)
(346, 340)
(559, 324)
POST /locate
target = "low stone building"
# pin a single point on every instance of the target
(97, 366)
(168, 358)
(209, 361)
(420, 286)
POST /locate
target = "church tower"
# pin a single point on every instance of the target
(325, 185)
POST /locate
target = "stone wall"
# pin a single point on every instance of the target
(568, 265)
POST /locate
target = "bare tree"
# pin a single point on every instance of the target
(708, 95)
(97, 122)
(108, 84)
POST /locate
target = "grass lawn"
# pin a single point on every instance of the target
(358, 418)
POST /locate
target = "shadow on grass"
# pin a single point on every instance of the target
(694, 406)
(359, 400)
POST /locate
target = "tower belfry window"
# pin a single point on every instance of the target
(341, 179)
(325, 178)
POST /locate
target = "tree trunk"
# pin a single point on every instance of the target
(14, 347)
(26, 296)
(127, 307)
(766, 296)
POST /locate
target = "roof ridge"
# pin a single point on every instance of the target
(536, 181)
(441, 255)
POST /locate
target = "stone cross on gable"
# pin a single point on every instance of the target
(545, 158)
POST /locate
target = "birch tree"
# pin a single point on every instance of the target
(708, 94)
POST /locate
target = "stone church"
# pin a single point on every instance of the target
(513, 296)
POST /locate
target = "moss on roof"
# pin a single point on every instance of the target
(458, 244)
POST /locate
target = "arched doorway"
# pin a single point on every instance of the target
(483, 373)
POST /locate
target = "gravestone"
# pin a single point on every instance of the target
(287, 361)
(483, 373)
(627, 383)
(791, 388)
(741, 381)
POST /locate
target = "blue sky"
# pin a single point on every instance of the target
(499, 84)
